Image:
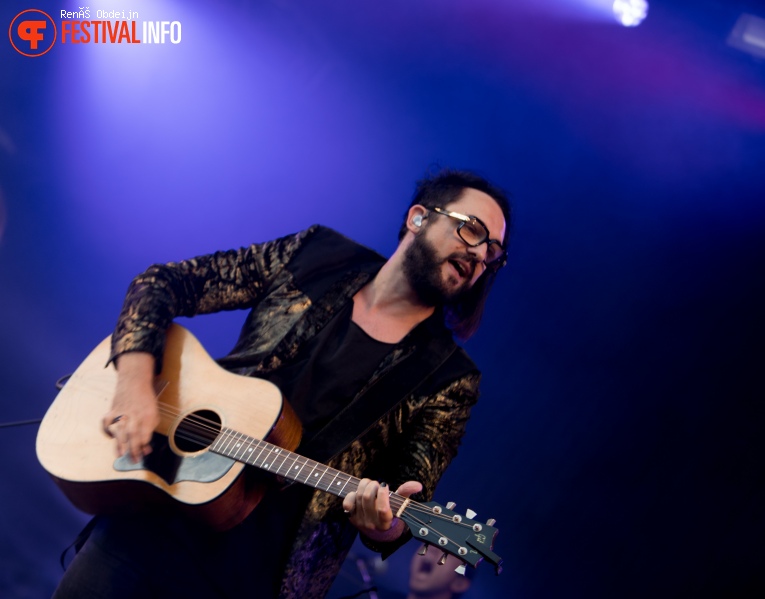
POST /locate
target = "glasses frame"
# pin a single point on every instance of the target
(464, 219)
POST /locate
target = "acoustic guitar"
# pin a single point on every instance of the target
(210, 429)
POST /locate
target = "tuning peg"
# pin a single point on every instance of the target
(451, 505)
(442, 559)
(460, 569)
(491, 522)
(470, 514)
(423, 550)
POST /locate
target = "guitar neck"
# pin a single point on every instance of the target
(467, 540)
(286, 464)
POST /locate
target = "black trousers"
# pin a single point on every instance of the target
(164, 555)
(133, 557)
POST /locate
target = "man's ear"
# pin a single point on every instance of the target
(415, 218)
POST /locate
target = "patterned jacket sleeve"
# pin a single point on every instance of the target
(432, 431)
(429, 431)
(227, 280)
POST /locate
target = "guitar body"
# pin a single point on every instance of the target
(73, 447)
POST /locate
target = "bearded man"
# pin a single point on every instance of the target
(363, 350)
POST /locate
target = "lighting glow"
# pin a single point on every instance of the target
(749, 35)
(630, 13)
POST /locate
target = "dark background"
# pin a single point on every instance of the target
(618, 440)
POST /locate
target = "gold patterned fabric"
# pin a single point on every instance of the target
(293, 286)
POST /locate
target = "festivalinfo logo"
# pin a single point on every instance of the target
(34, 32)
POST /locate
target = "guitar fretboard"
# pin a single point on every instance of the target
(287, 464)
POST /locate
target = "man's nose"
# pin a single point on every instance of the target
(479, 251)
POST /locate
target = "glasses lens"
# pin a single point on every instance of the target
(494, 254)
(473, 233)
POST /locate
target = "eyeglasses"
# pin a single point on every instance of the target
(473, 232)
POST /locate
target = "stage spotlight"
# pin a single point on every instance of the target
(630, 13)
(749, 35)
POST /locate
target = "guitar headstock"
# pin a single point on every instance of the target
(461, 536)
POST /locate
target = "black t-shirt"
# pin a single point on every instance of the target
(329, 371)
(326, 375)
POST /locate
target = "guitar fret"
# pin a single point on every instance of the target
(333, 480)
(251, 443)
(280, 458)
(317, 476)
(230, 438)
(267, 465)
(307, 478)
(340, 493)
(326, 486)
(297, 475)
(239, 446)
(255, 459)
(234, 443)
(248, 449)
(289, 456)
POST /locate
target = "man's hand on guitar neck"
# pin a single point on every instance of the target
(135, 413)
(369, 510)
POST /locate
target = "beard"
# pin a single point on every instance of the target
(422, 269)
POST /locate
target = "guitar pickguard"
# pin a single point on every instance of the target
(203, 467)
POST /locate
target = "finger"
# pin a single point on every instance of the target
(144, 436)
(349, 503)
(357, 509)
(409, 488)
(134, 441)
(369, 495)
(361, 490)
(382, 507)
(122, 431)
(118, 431)
(369, 504)
(109, 420)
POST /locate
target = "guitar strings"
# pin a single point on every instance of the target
(208, 430)
(203, 431)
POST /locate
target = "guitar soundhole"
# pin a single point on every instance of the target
(197, 431)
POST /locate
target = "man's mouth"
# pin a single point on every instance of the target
(464, 269)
